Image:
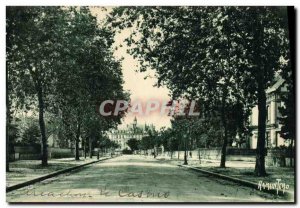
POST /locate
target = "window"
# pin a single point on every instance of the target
(268, 139)
(268, 114)
(279, 105)
(276, 139)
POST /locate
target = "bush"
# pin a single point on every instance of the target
(127, 152)
(31, 136)
(60, 153)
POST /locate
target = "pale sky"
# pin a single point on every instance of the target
(140, 89)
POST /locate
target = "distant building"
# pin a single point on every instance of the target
(132, 131)
(274, 101)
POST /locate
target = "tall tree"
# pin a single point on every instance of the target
(31, 36)
(195, 51)
(90, 76)
(133, 144)
(288, 111)
(265, 34)
(61, 60)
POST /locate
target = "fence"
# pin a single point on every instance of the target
(274, 157)
(25, 153)
(213, 154)
(57, 153)
(32, 153)
(280, 157)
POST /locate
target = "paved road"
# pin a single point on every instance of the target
(137, 179)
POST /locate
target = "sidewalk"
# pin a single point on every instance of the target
(242, 170)
(246, 171)
(26, 170)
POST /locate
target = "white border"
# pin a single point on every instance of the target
(5, 3)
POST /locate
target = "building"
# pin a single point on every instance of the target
(132, 131)
(273, 138)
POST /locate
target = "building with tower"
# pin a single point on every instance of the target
(131, 131)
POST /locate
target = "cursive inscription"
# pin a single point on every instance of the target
(278, 186)
(101, 192)
(144, 194)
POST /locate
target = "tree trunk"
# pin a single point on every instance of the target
(224, 123)
(225, 142)
(77, 142)
(260, 150)
(44, 145)
(199, 154)
(8, 119)
(7, 129)
(261, 95)
(7, 143)
(84, 148)
(291, 153)
(224, 147)
(7, 149)
(185, 151)
(90, 146)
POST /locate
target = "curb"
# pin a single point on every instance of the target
(35, 180)
(250, 184)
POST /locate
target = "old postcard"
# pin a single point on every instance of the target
(160, 104)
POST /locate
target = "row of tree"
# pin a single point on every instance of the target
(150, 141)
(223, 57)
(184, 134)
(60, 64)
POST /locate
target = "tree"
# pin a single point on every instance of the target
(169, 140)
(93, 76)
(31, 36)
(206, 132)
(61, 60)
(11, 138)
(146, 143)
(265, 32)
(194, 52)
(106, 143)
(31, 135)
(225, 56)
(288, 111)
(133, 144)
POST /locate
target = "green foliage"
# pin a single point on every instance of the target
(288, 111)
(90, 76)
(168, 139)
(195, 51)
(32, 37)
(146, 143)
(133, 144)
(127, 152)
(60, 62)
(13, 133)
(223, 56)
(288, 117)
(31, 135)
(107, 143)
